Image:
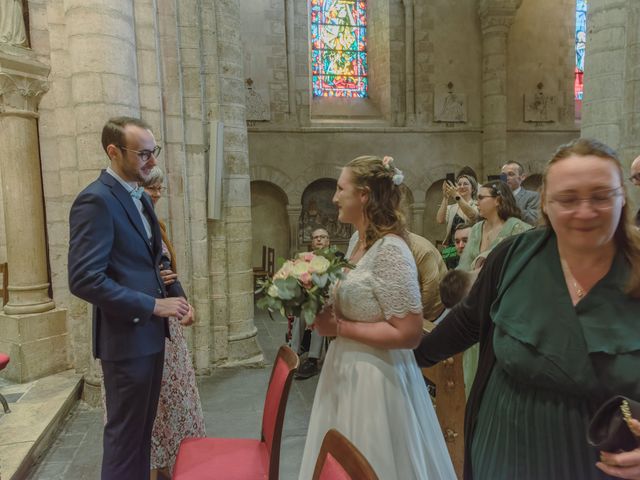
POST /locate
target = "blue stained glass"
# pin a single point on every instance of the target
(581, 32)
(339, 57)
(581, 41)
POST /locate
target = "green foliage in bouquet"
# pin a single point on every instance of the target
(301, 286)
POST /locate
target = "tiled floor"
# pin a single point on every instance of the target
(232, 401)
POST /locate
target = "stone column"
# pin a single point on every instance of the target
(496, 17)
(32, 331)
(103, 66)
(294, 212)
(417, 217)
(242, 340)
(409, 61)
(604, 74)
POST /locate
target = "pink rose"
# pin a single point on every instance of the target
(307, 256)
(305, 278)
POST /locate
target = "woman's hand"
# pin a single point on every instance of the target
(448, 189)
(623, 465)
(189, 318)
(326, 323)
(168, 277)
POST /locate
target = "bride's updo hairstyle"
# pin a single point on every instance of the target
(382, 180)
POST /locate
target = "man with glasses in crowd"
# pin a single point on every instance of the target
(527, 201)
(114, 253)
(635, 179)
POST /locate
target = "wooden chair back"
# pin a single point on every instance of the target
(450, 405)
(275, 403)
(339, 459)
(271, 261)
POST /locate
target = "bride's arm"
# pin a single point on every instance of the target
(404, 332)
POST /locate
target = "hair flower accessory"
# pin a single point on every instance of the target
(398, 176)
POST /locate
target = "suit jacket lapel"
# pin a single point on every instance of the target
(156, 235)
(127, 203)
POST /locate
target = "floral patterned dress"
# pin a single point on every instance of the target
(179, 409)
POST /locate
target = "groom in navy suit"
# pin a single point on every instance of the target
(114, 253)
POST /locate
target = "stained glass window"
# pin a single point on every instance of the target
(581, 38)
(339, 48)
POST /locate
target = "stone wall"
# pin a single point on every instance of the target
(179, 66)
(419, 52)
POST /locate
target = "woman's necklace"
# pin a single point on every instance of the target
(579, 291)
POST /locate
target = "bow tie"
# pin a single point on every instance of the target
(136, 192)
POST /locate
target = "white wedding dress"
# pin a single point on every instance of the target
(377, 398)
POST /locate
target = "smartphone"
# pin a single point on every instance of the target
(450, 177)
(494, 178)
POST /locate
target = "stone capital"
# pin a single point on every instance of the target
(294, 210)
(23, 81)
(497, 15)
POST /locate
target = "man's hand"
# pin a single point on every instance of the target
(171, 307)
(168, 277)
(189, 318)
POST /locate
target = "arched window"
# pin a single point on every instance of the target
(581, 38)
(339, 48)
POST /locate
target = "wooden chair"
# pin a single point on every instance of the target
(339, 459)
(450, 405)
(267, 268)
(244, 458)
(4, 292)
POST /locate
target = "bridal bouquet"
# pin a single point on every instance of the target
(301, 286)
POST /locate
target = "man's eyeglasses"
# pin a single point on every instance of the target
(317, 237)
(600, 200)
(635, 178)
(144, 155)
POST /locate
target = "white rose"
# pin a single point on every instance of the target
(319, 264)
(273, 291)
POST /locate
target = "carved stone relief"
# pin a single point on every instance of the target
(539, 107)
(450, 107)
(318, 211)
(257, 108)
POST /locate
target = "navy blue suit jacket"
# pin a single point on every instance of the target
(114, 266)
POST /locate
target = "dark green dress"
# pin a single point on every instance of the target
(555, 363)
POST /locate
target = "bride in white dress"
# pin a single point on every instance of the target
(370, 388)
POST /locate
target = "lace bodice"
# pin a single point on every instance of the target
(383, 285)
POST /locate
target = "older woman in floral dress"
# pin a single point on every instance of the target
(179, 409)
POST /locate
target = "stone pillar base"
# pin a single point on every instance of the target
(37, 343)
(244, 349)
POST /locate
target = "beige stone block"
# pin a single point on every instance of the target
(115, 56)
(66, 152)
(37, 343)
(92, 20)
(64, 122)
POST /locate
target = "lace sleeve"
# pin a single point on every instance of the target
(396, 279)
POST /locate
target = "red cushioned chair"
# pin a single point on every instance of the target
(339, 459)
(243, 458)
(4, 361)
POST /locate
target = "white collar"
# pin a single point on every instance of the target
(128, 186)
(517, 191)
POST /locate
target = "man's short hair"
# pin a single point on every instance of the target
(113, 130)
(520, 166)
(320, 229)
(454, 286)
(462, 226)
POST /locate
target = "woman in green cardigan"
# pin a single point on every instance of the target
(557, 314)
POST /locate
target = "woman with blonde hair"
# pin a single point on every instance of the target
(370, 388)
